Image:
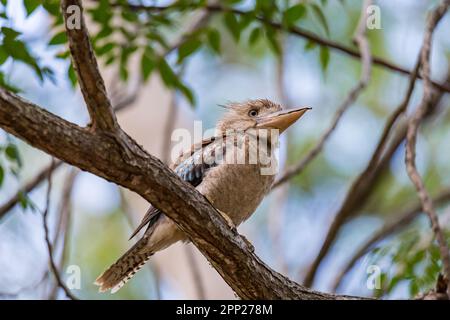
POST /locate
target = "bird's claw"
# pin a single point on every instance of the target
(230, 222)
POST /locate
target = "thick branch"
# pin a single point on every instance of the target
(86, 68)
(411, 137)
(103, 155)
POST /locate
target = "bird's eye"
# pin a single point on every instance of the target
(253, 113)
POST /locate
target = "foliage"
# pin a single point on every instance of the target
(413, 259)
(126, 30)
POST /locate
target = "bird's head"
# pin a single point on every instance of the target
(258, 114)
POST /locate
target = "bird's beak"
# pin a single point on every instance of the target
(280, 120)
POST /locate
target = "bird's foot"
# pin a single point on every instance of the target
(229, 221)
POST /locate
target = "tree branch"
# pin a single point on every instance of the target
(297, 31)
(411, 137)
(52, 263)
(120, 105)
(102, 155)
(61, 237)
(33, 183)
(366, 181)
(366, 60)
(86, 67)
(400, 222)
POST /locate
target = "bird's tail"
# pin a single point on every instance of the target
(124, 268)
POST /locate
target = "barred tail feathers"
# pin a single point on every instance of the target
(124, 268)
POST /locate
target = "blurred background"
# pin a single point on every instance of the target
(226, 58)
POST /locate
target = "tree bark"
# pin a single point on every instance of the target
(127, 164)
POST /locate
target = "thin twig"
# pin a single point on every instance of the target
(369, 178)
(400, 222)
(297, 31)
(42, 175)
(411, 137)
(52, 263)
(366, 60)
(62, 232)
(276, 214)
(366, 181)
(28, 187)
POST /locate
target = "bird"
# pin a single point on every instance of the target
(234, 188)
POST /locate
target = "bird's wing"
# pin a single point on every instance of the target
(187, 169)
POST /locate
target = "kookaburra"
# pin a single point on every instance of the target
(235, 188)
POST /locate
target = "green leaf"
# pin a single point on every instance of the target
(167, 75)
(4, 83)
(23, 200)
(293, 14)
(186, 92)
(3, 55)
(324, 57)
(2, 175)
(214, 40)
(104, 32)
(10, 33)
(188, 48)
(123, 72)
(255, 35)
(105, 48)
(31, 5)
(18, 51)
(52, 7)
(232, 25)
(319, 14)
(310, 45)
(12, 153)
(147, 63)
(72, 76)
(59, 38)
(273, 41)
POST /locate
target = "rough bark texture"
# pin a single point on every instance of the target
(128, 165)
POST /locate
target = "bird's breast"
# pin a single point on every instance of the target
(236, 189)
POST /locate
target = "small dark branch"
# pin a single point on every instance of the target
(63, 230)
(201, 21)
(364, 183)
(411, 137)
(395, 225)
(300, 32)
(276, 214)
(103, 155)
(28, 187)
(439, 292)
(52, 263)
(368, 179)
(86, 67)
(65, 203)
(42, 175)
(366, 60)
